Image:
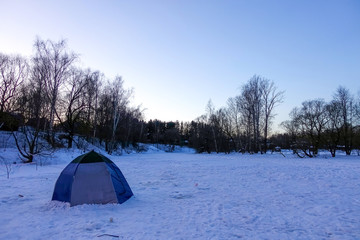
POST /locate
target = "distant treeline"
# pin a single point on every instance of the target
(315, 125)
(333, 125)
(47, 100)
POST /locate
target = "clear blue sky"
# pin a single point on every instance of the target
(178, 54)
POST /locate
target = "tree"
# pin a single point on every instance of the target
(92, 94)
(292, 129)
(132, 126)
(55, 61)
(73, 103)
(172, 135)
(212, 121)
(245, 105)
(33, 105)
(308, 123)
(333, 126)
(345, 102)
(113, 107)
(225, 130)
(271, 98)
(234, 117)
(13, 72)
(252, 107)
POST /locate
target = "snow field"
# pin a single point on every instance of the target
(193, 196)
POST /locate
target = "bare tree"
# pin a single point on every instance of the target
(234, 116)
(258, 98)
(34, 108)
(252, 107)
(212, 121)
(114, 104)
(346, 103)
(92, 93)
(73, 103)
(310, 122)
(55, 60)
(245, 104)
(271, 98)
(333, 126)
(13, 72)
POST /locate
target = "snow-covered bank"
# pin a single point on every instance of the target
(193, 196)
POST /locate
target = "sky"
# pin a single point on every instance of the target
(177, 55)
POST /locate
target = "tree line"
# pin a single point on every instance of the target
(317, 124)
(47, 101)
(243, 125)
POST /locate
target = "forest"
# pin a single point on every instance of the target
(48, 102)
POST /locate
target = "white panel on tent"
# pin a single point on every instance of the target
(92, 185)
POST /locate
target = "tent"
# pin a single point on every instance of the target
(91, 179)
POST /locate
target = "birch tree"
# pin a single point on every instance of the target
(56, 60)
(119, 98)
(252, 105)
(271, 98)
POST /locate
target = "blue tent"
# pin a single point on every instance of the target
(91, 179)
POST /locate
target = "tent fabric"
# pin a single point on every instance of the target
(91, 179)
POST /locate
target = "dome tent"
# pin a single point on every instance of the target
(91, 179)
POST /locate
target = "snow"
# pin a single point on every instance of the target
(184, 195)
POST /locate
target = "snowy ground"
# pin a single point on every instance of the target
(192, 196)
